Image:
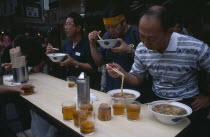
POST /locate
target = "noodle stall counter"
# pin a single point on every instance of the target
(50, 92)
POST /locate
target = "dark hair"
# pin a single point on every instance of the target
(166, 19)
(78, 20)
(22, 42)
(112, 10)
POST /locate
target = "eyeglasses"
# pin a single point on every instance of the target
(68, 24)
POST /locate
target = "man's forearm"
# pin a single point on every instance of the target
(132, 80)
(96, 56)
(83, 66)
(6, 89)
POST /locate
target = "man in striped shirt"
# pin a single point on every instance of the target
(173, 60)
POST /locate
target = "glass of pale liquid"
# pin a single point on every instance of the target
(71, 81)
(133, 111)
(87, 123)
(118, 105)
(67, 110)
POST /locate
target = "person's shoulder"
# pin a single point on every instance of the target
(187, 38)
(141, 46)
(134, 28)
(190, 43)
(85, 40)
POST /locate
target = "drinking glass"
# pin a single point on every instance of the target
(118, 105)
(86, 105)
(76, 115)
(87, 123)
(71, 81)
(133, 111)
(68, 109)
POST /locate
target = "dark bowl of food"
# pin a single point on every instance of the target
(170, 112)
(128, 94)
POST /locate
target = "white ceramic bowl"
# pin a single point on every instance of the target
(171, 119)
(107, 43)
(129, 100)
(56, 57)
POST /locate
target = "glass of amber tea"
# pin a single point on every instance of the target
(71, 81)
(118, 105)
(86, 105)
(133, 111)
(76, 115)
(68, 109)
(87, 123)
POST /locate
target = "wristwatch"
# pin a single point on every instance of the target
(131, 49)
(77, 66)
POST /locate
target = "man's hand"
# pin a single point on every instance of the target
(112, 73)
(93, 37)
(36, 69)
(7, 66)
(19, 89)
(49, 49)
(201, 101)
(123, 48)
(68, 62)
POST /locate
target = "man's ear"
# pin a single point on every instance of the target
(79, 28)
(170, 31)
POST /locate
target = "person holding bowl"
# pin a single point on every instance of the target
(173, 60)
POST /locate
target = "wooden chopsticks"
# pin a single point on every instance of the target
(54, 48)
(100, 37)
(116, 70)
(164, 101)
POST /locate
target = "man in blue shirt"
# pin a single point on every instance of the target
(123, 52)
(77, 49)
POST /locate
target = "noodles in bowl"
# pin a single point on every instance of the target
(125, 95)
(170, 113)
(129, 94)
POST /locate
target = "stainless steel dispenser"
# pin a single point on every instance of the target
(83, 89)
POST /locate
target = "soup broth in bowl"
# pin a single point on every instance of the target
(129, 94)
(170, 113)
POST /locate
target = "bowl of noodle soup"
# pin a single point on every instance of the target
(129, 94)
(170, 113)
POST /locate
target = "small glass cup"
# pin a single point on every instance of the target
(133, 111)
(76, 115)
(118, 105)
(86, 105)
(67, 109)
(28, 88)
(71, 81)
(87, 123)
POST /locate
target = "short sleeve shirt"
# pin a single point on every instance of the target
(124, 60)
(175, 71)
(80, 52)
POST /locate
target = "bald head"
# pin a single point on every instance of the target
(160, 14)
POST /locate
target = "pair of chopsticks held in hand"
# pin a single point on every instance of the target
(155, 102)
(116, 70)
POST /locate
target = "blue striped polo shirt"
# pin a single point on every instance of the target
(174, 72)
